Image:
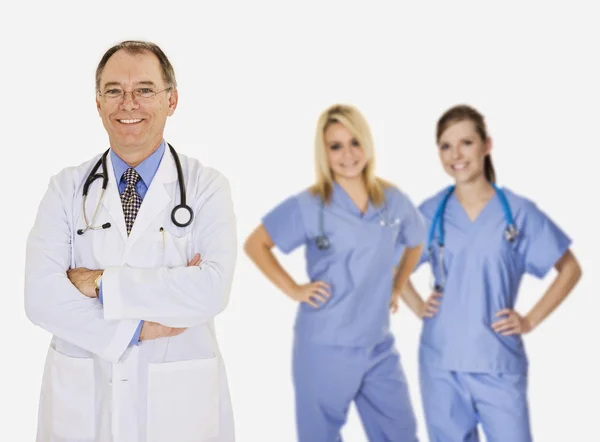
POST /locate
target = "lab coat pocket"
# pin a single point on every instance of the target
(71, 393)
(174, 249)
(183, 401)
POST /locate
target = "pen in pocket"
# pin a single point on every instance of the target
(163, 237)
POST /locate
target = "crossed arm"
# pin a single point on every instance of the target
(84, 280)
(177, 298)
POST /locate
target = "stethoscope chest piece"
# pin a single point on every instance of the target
(511, 233)
(322, 242)
(182, 215)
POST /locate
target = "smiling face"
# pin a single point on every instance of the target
(137, 120)
(462, 151)
(345, 155)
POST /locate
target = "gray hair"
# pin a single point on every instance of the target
(139, 47)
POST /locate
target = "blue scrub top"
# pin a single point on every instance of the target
(358, 266)
(483, 274)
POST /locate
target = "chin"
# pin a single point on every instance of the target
(464, 178)
(347, 175)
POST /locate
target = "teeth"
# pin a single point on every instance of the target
(131, 121)
(459, 166)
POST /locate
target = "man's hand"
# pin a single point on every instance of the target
(154, 330)
(195, 261)
(83, 279)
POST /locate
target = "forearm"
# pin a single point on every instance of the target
(265, 260)
(176, 297)
(183, 296)
(52, 301)
(411, 297)
(568, 276)
(54, 304)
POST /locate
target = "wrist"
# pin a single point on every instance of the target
(98, 281)
(421, 311)
(290, 289)
(528, 324)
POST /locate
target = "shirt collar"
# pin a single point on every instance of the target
(147, 168)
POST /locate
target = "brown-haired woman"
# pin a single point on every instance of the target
(482, 240)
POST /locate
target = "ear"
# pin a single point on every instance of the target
(173, 100)
(488, 146)
(98, 105)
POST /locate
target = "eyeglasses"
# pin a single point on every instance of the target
(139, 94)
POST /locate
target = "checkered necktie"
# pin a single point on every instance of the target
(130, 199)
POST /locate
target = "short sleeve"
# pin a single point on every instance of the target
(425, 212)
(412, 227)
(545, 242)
(285, 226)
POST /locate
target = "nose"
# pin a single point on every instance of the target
(455, 152)
(348, 151)
(129, 104)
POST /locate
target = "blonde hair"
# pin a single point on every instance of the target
(356, 123)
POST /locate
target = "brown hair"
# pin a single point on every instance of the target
(462, 113)
(139, 47)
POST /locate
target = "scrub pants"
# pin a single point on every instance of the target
(328, 378)
(456, 402)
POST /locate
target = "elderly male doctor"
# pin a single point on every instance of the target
(128, 294)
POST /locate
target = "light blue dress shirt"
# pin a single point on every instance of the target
(146, 169)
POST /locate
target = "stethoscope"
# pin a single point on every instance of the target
(181, 215)
(322, 241)
(510, 233)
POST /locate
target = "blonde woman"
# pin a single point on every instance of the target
(352, 226)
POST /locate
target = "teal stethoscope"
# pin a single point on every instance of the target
(510, 233)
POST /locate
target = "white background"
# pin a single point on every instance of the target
(254, 77)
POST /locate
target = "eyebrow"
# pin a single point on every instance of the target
(463, 139)
(142, 83)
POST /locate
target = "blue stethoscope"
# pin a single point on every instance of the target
(322, 241)
(181, 215)
(510, 233)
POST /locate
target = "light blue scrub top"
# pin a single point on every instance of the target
(483, 274)
(358, 266)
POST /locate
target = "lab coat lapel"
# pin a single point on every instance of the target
(156, 200)
(112, 201)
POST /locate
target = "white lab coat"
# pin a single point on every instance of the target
(96, 387)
